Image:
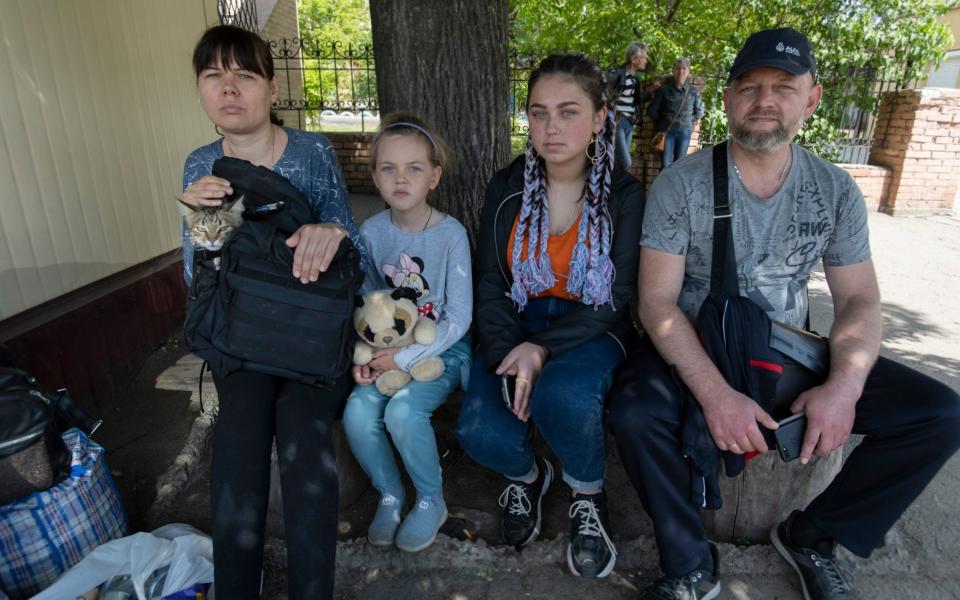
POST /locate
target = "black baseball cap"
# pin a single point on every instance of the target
(783, 48)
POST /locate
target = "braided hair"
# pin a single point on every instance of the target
(591, 271)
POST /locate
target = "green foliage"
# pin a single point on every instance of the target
(345, 21)
(336, 42)
(857, 42)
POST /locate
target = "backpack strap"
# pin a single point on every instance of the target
(723, 270)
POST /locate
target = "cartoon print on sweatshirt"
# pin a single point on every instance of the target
(409, 274)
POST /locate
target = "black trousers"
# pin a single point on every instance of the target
(253, 409)
(911, 423)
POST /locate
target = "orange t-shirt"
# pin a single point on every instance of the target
(560, 247)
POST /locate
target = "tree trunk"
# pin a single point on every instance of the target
(765, 493)
(446, 60)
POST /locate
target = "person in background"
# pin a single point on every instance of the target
(624, 88)
(675, 108)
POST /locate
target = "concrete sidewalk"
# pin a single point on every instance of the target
(918, 264)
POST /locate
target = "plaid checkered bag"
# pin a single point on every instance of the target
(44, 534)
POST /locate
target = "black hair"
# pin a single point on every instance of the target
(228, 45)
(579, 68)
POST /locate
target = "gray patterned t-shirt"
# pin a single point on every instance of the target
(818, 214)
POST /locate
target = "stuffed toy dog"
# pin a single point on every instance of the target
(389, 319)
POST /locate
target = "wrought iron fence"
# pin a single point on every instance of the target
(325, 87)
(240, 13)
(842, 127)
(329, 87)
(520, 68)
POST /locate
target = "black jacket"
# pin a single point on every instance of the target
(496, 319)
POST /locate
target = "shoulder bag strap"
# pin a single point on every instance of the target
(677, 114)
(723, 270)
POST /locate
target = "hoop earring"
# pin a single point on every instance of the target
(600, 151)
(217, 129)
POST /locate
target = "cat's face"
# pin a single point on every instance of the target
(210, 227)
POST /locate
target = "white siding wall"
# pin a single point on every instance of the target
(98, 109)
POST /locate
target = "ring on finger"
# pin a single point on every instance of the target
(522, 380)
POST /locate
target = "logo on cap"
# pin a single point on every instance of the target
(787, 49)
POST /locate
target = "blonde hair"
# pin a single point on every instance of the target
(400, 123)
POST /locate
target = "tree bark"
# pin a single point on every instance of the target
(765, 493)
(446, 61)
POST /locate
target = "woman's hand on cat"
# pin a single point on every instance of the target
(524, 362)
(316, 244)
(207, 191)
(364, 375)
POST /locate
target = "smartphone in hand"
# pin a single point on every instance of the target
(789, 436)
(508, 385)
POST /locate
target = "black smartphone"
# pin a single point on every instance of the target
(789, 436)
(508, 384)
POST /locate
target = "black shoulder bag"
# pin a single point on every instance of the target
(767, 360)
(252, 313)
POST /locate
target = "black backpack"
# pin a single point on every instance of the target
(252, 314)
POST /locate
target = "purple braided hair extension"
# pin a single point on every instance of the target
(596, 285)
(529, 276)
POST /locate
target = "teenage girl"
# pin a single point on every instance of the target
(411, 244)
(556, 271)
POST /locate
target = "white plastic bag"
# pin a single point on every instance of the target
(187, 552)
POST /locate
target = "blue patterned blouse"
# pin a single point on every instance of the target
(310, 163)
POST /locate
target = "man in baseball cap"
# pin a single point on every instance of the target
(789, 210)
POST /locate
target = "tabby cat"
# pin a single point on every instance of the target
(209, 227)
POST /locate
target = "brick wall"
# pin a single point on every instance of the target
(353, 152)
(917, 136)
(873, 181)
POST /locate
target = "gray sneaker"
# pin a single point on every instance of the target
(701, 584)
(820, 577)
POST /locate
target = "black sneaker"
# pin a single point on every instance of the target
(820, 576)
(521, 506)
(701, 584)
(590, 552)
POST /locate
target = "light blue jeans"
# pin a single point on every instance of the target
(369, 416)
(623, 138)
(675, 146)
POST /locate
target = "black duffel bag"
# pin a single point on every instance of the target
(251, 313)
(33, 456)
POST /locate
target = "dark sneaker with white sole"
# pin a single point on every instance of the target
(590, 552)
(521, 506)
(701, 584)
(821, 576)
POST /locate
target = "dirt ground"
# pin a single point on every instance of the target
(918, 263)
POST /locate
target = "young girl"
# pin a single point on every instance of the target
(410, 244)
(557, 268)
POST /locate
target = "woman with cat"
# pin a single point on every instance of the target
(556, 270)
(236, 87)
(412, 246)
